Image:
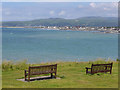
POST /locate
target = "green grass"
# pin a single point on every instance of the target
(72, 75)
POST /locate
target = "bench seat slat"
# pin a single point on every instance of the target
(43, 72)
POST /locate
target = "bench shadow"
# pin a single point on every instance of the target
(98, 74)
(41, 78)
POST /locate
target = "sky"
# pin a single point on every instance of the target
(22, 11)
(59, 0)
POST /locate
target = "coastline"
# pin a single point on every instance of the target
(24, 62)
(91, 29)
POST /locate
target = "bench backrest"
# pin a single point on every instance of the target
(95, 68)
(36, 70)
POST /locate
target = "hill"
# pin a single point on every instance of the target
(83, 21)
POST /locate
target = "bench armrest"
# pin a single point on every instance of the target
(87, 68)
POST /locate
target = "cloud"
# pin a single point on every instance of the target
(52, 12)
(80, 6)
(115, 4)
(29, 14)
(92, 5)
(7, 13)
(0, 9)
(61, 13)
(104, 6)
(106, 9)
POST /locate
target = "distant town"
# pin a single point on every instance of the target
(74, 28)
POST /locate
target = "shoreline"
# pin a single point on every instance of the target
(90, 29)
(58, 61)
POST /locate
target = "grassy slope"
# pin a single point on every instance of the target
(0, 78)
(72, 76)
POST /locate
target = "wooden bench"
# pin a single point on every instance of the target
(96, 68)
(38, 70)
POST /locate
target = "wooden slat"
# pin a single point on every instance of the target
(42, 66)
(101, 64)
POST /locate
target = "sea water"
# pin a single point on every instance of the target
(41, 45)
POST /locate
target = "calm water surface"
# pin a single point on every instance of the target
(39, 45)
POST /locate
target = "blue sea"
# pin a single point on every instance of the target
(38, 45)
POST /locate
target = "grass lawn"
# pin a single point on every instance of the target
(72, 75)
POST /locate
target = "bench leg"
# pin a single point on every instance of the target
(28, 78)
(55, 75)
(86, 71)
(51, 75)
(110, 71)
(25, 77)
